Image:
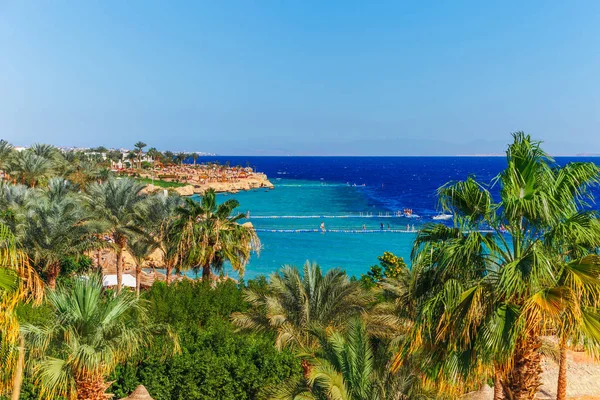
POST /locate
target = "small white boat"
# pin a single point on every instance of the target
(443, 217)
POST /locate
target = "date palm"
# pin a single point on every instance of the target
(139, 149)
(140, 247)
(488, 298)
(57, 227)
(161, 225)
(210, 234)
(28, 168)
(6, 152)
(118, 204)
(89, 334)
(297, 303)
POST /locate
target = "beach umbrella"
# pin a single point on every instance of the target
(140, 393)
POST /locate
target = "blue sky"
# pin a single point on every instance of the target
(301, 77)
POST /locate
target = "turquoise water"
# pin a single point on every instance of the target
(354, 252)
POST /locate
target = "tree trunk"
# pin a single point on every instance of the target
(523, 381)
(206, 273)
(498, 392)
(119, 268)
(138, 277)
(52, 274)
(91, 388)
(169, 270)
(18, 378)
(561, 390)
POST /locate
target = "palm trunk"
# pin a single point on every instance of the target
(91, 388)
(52, 274)
(498, 392)
(561, 390)
(18, 378)
(169, 270)
(206, 273)
(523, 381)
(138, 277)
(119, 268)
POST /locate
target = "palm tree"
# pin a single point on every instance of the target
(46, 151)
(211, 235)
(57, 227)
(140, 247)
(139, 146)
(29, 168)
(575, 240)
(296, 304)
(18, 283)
(117, 203)
(131, 156)
(89, 334)
(180, 157)
(349, 366)
(487, 298)
(161, 224)
(6, 152)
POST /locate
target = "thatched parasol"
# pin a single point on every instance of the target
(140, 393)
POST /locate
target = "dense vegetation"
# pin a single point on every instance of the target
(482, 301)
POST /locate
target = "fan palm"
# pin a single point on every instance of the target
(488, 297)
(296, 304)
(118, 204)
(57, 227)
(210, 235)
(89, 334)
(347, 366)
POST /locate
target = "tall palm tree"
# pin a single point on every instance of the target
(211, 235)
(139, 149)
(29, 168)
(297, 303)
(89, 334)
(162, 226)
(488, 298)
(117, 203)
(18, 282)
(575, 240)
(57, 227)
(140, 247)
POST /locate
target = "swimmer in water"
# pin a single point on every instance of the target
(323, 226)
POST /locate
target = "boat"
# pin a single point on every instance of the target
(442, 217)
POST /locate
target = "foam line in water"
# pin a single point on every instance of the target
(332, 216)
(345, 231)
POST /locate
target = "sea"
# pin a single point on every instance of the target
(343, 211)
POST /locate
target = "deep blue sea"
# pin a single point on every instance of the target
(340, 192)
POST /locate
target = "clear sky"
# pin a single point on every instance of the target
(301, 77)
